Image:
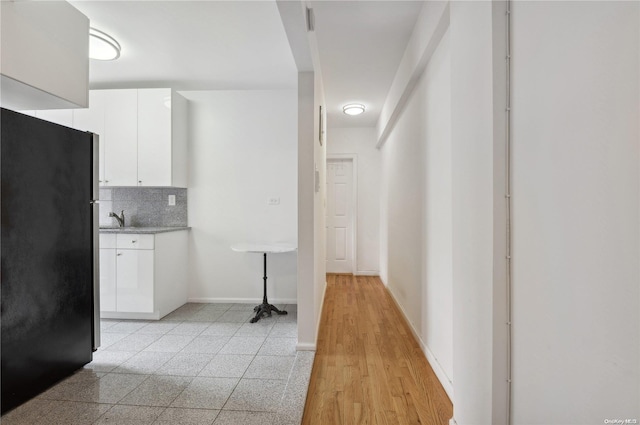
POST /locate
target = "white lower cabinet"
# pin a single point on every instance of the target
(134, 280)
(142, 276)
(107, 279)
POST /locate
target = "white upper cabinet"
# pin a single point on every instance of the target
(154, 137)
(92, 119)
(161, 138)
(58, 116)
(121, 138)
(45, 62)
(143, 136)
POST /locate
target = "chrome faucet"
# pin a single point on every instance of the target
(120, 218)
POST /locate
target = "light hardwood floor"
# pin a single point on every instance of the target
(368, 368)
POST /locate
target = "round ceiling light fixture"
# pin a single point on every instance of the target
(102, 46)
(353, 109)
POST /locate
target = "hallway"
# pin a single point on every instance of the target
(368, 367)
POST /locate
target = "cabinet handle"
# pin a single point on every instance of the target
(119, 254)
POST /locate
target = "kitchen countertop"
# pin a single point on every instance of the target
(139, 230)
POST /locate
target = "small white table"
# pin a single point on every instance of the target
(264, 249)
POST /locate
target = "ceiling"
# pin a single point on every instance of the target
(222, 45)
(360, 44)
(192, 45)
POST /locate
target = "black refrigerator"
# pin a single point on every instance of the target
(49, 292)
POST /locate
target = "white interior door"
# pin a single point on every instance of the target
(339, 220)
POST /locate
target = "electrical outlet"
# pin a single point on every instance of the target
(172, 200)
(274, 201)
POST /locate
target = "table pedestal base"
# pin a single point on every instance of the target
(265, 308)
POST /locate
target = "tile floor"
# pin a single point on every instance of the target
(201, 364)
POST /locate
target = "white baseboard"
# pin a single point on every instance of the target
(437, 367)
(433, 361)
(301, 346)
(367, 273)
(208, 300)
(324, 294)
(130, 316)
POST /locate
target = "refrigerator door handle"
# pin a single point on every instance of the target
(95, 195)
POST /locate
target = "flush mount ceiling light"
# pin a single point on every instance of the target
(102, 46)
(353, 109)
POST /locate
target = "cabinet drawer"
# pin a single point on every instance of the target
(134, 241)
(107, 240)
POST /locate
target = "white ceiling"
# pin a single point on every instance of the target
(360, 44)
(192, 45)
(203, 45)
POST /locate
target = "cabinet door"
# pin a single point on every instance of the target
(121, 133)
(92, 119)
(58, 116)
(134, 282)
(107, 279)
(154, 137)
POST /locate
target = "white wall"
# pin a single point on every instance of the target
(576, 150)
(576, 216)
(416, 169)
(311, 215)
(472, 297)
(311, 157)
(362, 143)
(307, 304)
(437, 268)
(431, 24)
(242, 151)
(319, 203)
(478, 212)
